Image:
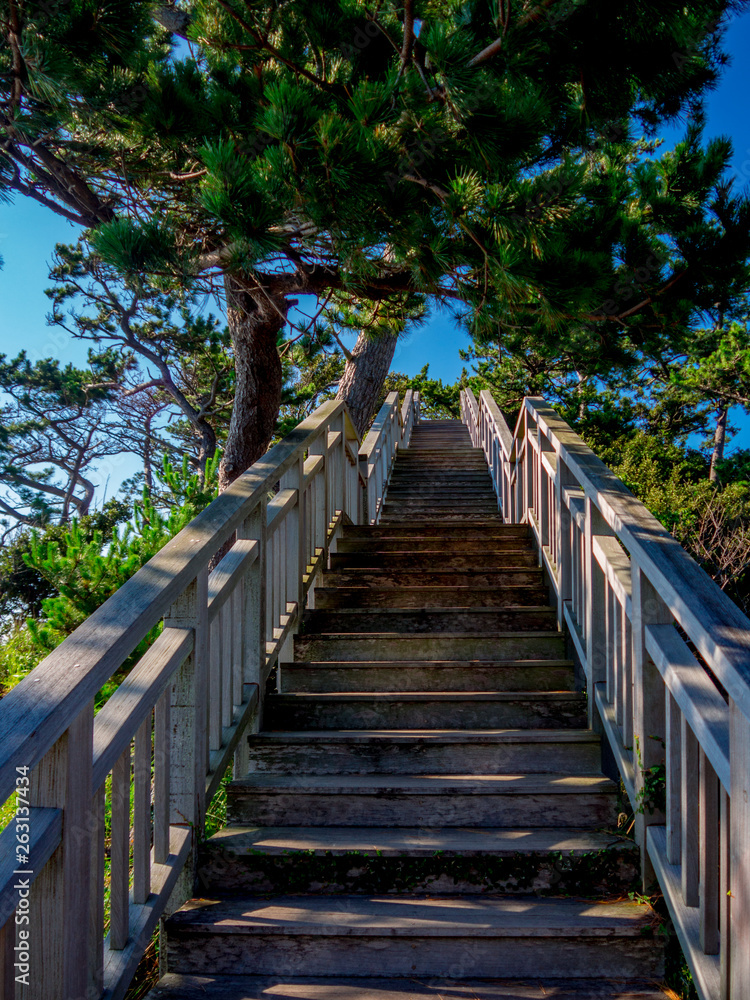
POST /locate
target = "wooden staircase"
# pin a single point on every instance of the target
(425, 813)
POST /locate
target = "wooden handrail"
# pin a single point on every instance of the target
(171, 728)
(636, 605)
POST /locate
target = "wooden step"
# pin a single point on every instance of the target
(280, 860)
(431, 646)
(413, 620)
(185, 987)
(428, 560)
(355, 935)
(449, 517)
(437, 675)
(488, 530)
(430, 597)
(504, 800)
(428, 751)
(382, 578)
(426, 710)
(381, 543)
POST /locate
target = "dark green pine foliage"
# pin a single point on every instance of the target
(475, 151)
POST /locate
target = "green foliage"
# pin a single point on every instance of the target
(438, 400)
(75, 568)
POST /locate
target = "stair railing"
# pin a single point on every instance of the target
(390, 431)
(126, 788)
(666, 660)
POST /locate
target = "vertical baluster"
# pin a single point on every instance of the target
(739, 838)
(295, 534)
(225, 620)
(237, 642)
(690, 815)
(189, 754)
(709, 857)
(60, 896)
(268, 590)
(119, 907)
(162, 735)
(96, 896)
(142, 813)
(214, 683)
(564, 547)
(255, 598)
(610, 630)
(595, 629)
(674, 779)
(649, 723)
(724, 896)
(627, 686)
(618, 660)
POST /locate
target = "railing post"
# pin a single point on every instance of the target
(596, 611)
(189, 743)
(254, 611)
(649, 716)
(739, 839)
(60, 897)
(295, 535)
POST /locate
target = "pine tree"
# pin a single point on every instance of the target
(311, 148)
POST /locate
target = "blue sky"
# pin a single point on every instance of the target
(28, 233)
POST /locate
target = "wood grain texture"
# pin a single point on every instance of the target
(709, 860)
(739, 838)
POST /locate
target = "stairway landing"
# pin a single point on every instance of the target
(425, 813)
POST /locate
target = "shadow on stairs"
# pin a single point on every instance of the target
(425, 813)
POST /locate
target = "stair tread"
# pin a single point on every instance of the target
(425, 664)
(198, 987)
(427, 736)
(429, 784)
(365, 916)
(414, 841)
(382, 696)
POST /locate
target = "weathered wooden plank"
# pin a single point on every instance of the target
(313, 465)
(189, 710)
(709, 859)
(44, 831)
(622, 755)
(96, 894)
(649, 722)
(689, 808)
(278, 508)
(595, 615)
(674, 779)
(739, 839)
(120, 852)
(223, 580)
(116, 723)
(699, 700)
(615, 563)
(59, 902)
(142, 813)
(162, 758)
(725, 864)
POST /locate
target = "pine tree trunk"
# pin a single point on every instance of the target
(720, 438)
(254, 323)
(365, 372)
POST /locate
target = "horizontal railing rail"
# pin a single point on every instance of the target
(124, 792)
(666, 659)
